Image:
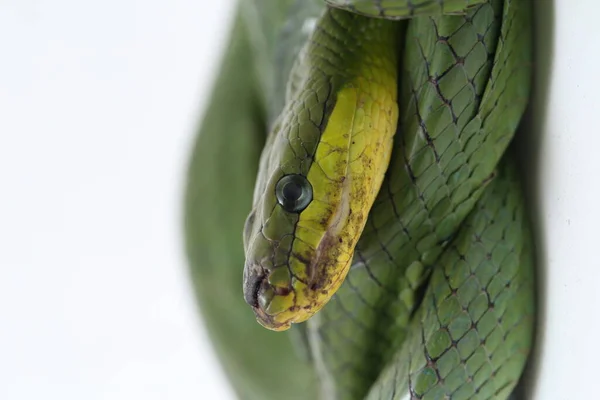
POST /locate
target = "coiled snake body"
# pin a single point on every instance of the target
(387, 211)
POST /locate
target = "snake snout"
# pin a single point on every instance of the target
(254, 278)
(259, 294)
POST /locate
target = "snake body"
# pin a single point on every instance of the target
(411, 257)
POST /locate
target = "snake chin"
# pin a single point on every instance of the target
(268, 321)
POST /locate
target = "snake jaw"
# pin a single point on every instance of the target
(268, 321)
(260, 294)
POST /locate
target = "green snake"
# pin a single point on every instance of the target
(363, 148)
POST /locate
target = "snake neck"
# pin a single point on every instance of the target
(345, 49)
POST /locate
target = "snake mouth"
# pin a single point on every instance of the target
(268, 321)
(258, 293)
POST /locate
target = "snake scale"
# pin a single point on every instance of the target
(387, 212)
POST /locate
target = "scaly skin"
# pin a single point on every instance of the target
(336, 130)
(439, 299)
(401, 9)
(472, 333)
(439, 169)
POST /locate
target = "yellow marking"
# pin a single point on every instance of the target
(311, 237)
(281, 303)
(347, 172)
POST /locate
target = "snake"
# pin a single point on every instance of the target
(364, 150)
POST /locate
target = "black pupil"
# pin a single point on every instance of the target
(292, 191)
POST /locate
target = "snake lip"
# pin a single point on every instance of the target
(255, 283)
(268, 321)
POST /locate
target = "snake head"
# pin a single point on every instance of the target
(316, 183)
(292, 257)
(259, 293)
(278, 270)
(320, 170)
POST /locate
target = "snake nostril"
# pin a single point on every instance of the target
(252, 284)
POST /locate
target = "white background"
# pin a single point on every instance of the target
(98, 105)
(565, 162)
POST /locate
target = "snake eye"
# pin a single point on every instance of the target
(293, 192)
